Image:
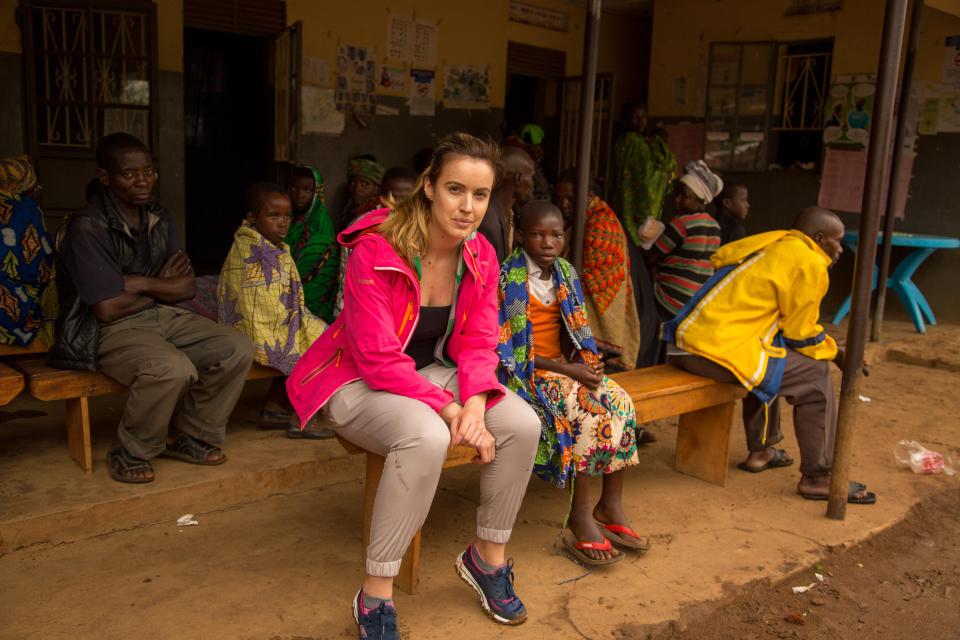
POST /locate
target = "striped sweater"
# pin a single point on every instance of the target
(683, 253)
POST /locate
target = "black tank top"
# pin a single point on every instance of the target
(431, 327)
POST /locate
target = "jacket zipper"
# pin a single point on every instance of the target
(410, 307)
(334, 360)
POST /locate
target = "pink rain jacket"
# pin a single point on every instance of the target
(381, 309)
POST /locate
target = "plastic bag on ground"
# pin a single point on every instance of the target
(913, 455)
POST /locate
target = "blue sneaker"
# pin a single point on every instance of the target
(495, 589)
(376, 624)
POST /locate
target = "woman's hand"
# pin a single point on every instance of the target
(468, 428)
(586, 375)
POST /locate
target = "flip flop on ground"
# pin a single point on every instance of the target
(576, 549)
(856, 494)
(780, 459)
(625, 537)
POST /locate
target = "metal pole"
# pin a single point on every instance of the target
(896, 188)
(894, 20)
(588, 84)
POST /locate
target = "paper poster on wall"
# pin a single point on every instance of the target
(685, 140)
(423, 92)
(400, 35)
(850, 110)
(949, 116)
(393, 81)
(425, 44)
(843, 177)
(316, 72)
(466, 86)
(318, 111)
(356, 79)
(951, 60)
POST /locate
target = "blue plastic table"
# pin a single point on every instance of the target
(899, 281)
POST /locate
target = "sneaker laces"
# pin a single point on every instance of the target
(504, 583)
(388, 618)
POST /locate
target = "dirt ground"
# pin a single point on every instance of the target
(904, 582)
(284, 565)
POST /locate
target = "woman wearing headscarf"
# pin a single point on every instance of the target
(27, 294)
(313, 242)
(682, 252)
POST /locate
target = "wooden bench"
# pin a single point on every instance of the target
(705, 408)
(75, 387)
(11, 384)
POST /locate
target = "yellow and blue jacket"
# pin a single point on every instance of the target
(763, 299)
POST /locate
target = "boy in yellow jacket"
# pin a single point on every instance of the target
(755, 322)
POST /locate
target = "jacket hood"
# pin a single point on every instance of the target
(353, 234)
(476, 249)
(737, 252)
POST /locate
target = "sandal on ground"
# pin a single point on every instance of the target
(625, 537)
(780, 459)
(274, 419)
(194, 451)
(646, 437)
(125, 467)
(853, 489)
(576, 549)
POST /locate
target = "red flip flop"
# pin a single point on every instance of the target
(576, 549)
(625, 537)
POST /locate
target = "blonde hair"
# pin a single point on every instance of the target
(406, 228)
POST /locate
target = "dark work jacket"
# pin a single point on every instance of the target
(495, 227)
(77, 329)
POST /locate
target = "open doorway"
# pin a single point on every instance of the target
(533, 76)
(229, 125)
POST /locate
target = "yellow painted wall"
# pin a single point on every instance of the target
(170, 35)
(9, 29)
(468, 34)
(684, 29)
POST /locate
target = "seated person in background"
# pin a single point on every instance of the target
(609, 296)
(363, 189)
(548, 356)
(397, 185)
(120, 270)
(27, 294)
(755, 323)
(732, 208)
(682, 252)
(514, 188)
(259, 294)
(313, 241)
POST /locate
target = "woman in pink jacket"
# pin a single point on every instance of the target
(409, 368)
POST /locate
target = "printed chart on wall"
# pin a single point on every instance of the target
(356, 79)
(318, 111)
(466, 86)
(850, 110)
(423, 92)
(843, 177)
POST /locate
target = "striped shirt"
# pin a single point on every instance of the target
(683, 253)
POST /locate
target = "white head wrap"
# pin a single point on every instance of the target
(704, 183)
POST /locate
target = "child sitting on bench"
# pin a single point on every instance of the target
(260, 294)
(549, 357)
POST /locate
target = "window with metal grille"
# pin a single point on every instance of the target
(765, 103)
(90, 71)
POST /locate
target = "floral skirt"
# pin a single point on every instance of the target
(599, 434)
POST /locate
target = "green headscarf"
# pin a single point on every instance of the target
(313, 245)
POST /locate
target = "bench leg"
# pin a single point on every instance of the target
(409, 575)
(78, 432)
(703, 443)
